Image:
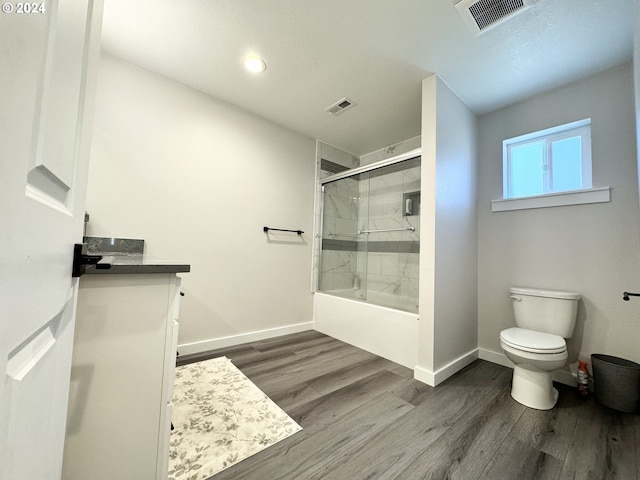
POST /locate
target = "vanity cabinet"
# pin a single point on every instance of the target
(119, 417)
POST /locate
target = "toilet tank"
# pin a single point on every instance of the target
(548, 311)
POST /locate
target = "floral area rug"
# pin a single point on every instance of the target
(220, 418)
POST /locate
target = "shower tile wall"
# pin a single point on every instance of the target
(326, 153)
(341, 206)
(358, 265)
(392, 258)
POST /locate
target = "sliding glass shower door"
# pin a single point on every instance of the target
(371, 234)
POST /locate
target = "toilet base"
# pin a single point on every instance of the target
(533, 388)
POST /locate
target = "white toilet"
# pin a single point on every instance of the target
(544, 318)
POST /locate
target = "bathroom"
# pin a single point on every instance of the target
(199, 178)
(244, 173)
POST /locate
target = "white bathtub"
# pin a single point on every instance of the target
(389, 333)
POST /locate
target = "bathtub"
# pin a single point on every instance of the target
(383, 331)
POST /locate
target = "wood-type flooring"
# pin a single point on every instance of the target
(366, 418)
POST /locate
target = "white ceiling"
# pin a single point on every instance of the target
(375, 52)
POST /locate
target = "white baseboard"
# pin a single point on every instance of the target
(494, 357)
(434, 378)
(425, 376)
(222, 342)
(563, 376)
(456, 365)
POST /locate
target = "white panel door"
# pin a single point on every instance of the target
(48, 61)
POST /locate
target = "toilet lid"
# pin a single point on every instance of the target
(531, 341)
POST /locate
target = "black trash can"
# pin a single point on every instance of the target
(616, 382)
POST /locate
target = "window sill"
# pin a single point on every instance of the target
(575, 197)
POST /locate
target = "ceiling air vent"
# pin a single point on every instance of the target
(340, 106)
(481, 15)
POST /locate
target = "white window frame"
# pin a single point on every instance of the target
(549, 197)
(581, 128)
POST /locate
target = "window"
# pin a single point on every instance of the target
(549, 161)
(549, 168)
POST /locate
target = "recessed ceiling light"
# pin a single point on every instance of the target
(254, 64)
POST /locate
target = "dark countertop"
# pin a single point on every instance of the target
(136, 263)
(126, 256)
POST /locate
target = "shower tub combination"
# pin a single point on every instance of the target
(369, 258)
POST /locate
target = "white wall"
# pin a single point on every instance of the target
(636, 69)
(197, 179)
(592, 249)
(448, 254)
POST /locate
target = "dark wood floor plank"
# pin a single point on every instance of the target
(343, 376)
(366, 418)
(305, 367)
(397, 446)
(276, 361)
(293, 342)
(315, 451)
(401, 370)
(480, 375)
(516, 460)
(603, 445)
(323, 351)
(289, 396)
(470, 443)
(551, 431)
(322, 411)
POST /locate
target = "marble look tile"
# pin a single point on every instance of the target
(97, 245)
(385, 262)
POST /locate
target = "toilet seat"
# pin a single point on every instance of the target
(532, 341)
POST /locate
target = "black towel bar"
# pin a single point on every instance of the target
(266, 229)
(625, 295)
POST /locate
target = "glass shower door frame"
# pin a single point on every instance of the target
(358, 264)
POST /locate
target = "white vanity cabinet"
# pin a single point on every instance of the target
(119, 418)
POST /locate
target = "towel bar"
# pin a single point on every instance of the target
(266, 229)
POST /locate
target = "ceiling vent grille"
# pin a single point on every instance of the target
(340, 106)
(481, 15)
